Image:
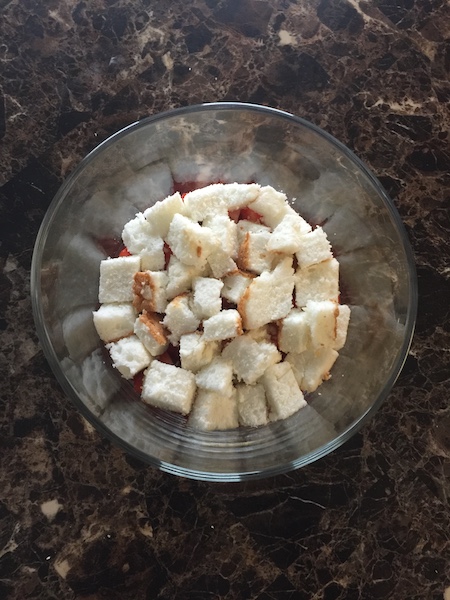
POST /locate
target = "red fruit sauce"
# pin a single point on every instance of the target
(248, 214)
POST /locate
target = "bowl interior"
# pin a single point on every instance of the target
(196, 146)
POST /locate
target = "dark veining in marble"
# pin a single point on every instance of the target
(80, 519)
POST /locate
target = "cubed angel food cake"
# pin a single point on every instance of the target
(225, 303)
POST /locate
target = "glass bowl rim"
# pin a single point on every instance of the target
(312, 456)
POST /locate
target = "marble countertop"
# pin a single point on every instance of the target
(78, 518)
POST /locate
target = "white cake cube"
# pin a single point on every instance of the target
(253, 253)
(321, 317)
(139, 239)
(314, 248)
(312, 367)
(151, 333)
(195, 352)
(261, 334)
(207, 301)
(286, 237)
(235, 285)
(294, 333)
(225, 325)
(216, 377)
(114, 321)
(213, 411)
(317, 282)
(169, 387)
(342, 323)
(160, 215)
(233, 195)
(116, 278)
(153, 259)
(190, 242)
(271, 205)
(129, 356)
(268, 297)
(243, 227)
(179, 318)
(225, 232)
(218, 199)
(136, 233)
(240, 195)
(206, 203)
(149, 291)
(181, 276)
(283, 394)
(250, 359)
(221, 263)
(251, 405)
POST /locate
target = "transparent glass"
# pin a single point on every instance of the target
(225, 142)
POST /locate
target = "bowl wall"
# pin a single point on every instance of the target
(225, 142)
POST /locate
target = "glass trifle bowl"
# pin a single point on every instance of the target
(188, 148)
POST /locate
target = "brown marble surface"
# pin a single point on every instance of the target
(78, 518)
